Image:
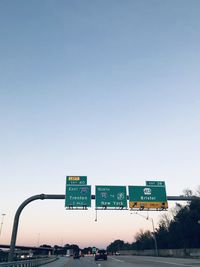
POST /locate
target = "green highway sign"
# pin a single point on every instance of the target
(76, 180)
(78, 196)
(155, 183)
(111, 196)
(94, 249)
(147, 197)
(147, 194)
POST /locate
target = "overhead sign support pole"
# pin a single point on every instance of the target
(17, 215)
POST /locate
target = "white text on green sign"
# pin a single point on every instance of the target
(147, 194)
(155, 183)
(111, 196)
(78, 196)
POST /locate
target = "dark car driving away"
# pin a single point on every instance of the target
(76, 255)
(101, 254)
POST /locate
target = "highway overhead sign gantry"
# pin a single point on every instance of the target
(78, 196)
(147, 197)
(56, 197)
(76, 180)
(111, 197)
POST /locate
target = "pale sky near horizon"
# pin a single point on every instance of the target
(106, 89)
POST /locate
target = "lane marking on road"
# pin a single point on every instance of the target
(91, 261)
(116, 259)
(172, 263)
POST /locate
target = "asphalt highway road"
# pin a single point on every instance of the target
(124, 261)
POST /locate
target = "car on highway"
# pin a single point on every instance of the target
(101, 254)
(117, 253)
(76, 255)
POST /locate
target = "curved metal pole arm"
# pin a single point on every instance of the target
(17, 215)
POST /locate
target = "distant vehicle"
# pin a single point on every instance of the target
(117, 253)
(101, 254)
(76, 255)
(70, 252)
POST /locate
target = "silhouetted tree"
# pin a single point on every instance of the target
(115, 246)
(181, 230)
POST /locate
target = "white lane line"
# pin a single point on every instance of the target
(116, 259)
(91, 261)
(172, 263)
(99, 265)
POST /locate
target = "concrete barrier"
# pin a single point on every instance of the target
(178, 253)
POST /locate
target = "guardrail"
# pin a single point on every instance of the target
(28, 263)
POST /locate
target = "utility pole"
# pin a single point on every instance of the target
(3, 214)
(38, 239)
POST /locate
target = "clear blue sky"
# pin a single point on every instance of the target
(107, 89)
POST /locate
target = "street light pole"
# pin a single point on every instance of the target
(3, 214)
(154, 233)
